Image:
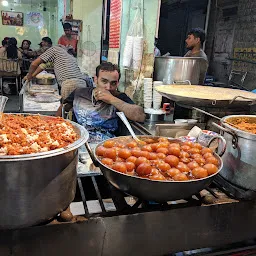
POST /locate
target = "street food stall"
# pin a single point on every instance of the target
(188, 210)
(171, 192)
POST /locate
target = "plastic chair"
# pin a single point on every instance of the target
(10, 69)
(25, 66)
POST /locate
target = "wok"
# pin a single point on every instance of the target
(157, 191)
(207, 96)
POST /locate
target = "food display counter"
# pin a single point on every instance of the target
(218, 219)
(29, 105)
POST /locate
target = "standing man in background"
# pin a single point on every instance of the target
(67, 40)
(194, 43)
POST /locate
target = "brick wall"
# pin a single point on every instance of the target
(226, 33)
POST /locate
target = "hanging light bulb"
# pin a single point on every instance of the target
(5, 3)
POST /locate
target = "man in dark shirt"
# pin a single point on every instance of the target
(95, 108)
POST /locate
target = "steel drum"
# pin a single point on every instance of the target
(36, 187)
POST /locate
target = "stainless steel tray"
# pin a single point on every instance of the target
(206, 96)
(175, 130)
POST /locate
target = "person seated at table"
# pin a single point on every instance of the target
(6, 39)
(11, 54)
(11, 50)
(3, 47)
(68, 40)
(25, 46)
(44, 46)
(65, 66)
(95, 108)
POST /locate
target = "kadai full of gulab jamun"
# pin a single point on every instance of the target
(158, 159)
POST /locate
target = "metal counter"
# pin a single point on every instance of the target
(146, 128)
(164, 128)
(27, 105)
(151, 233)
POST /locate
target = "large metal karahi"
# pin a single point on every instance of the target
(158, 191)
(207, 96)
(36, 187)
(239, 161)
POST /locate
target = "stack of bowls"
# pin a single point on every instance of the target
(185, 121)
(148, 92)
(157, 97)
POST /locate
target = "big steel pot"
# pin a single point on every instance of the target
(173, 70)
(239, 159)
(36, 187)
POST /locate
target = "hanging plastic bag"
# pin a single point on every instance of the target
(133, 49)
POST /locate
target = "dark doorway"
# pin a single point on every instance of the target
(176, 19)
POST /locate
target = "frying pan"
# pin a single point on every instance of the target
(151, 190)
(207, 96)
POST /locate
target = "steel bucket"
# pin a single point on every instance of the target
(36, 187)
(173, 70)
(239, 162)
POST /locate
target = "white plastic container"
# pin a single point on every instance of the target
(192, 121)
(157, 97)
(180, 121)
(148, 94)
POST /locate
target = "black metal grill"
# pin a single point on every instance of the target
(154, 229)
(139, 206)
(120, 203)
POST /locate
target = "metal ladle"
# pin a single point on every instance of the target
(128, 126)
(209, 114)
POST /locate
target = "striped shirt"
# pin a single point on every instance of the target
(65, 65)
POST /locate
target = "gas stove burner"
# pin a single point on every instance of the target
(232, 190)
(113, 202)
(139, 205)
